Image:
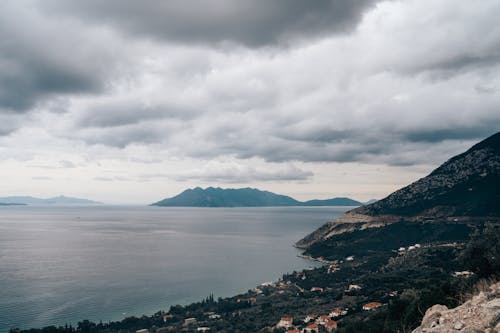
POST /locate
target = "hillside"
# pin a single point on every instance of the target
(243, 197)
(465, 185)
(59, 200)
(465, 188)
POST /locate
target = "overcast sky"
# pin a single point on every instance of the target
(127, 101)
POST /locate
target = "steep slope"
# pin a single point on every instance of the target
(466, 186)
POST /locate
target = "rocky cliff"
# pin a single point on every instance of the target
(480, 314)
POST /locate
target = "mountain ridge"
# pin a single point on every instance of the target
(243, 197)
(58, 200)
(465, 187)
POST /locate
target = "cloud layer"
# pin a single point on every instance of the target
(246, 91)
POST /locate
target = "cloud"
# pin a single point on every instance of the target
(42, 178)
(254, 23)
(259, 91)
(43, 58)
(67, 164)
(215, 172)
(230, 171)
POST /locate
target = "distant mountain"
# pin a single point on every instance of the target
(11, 204)
(465, 188)
(60, 200)
(332, 202)
(242, 197)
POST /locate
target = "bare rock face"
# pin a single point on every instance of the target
(480, 314)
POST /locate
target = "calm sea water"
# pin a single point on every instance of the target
(63, 264)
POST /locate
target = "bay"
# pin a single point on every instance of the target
(61, 265)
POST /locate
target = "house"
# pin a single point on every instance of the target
(393, 293)
(402, 249)
(331, 326)
(463, 274)
(166, 317)
(250, 300)
(353, 287)
(322, 320)
(203, 329)
(337, 313)
(214, 316)
(332, 269)
(311, 328)
(309, 318)
(350, 258)
(371, 306)
(285, 322)
(189, 321)
(144, 330)
(317, 289)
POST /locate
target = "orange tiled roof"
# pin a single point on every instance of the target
(372, 305)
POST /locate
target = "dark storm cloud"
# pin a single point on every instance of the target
(24, 81)
(42, 59)
(252, 23)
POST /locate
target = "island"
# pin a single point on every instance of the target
(243, 197)
(55, 201)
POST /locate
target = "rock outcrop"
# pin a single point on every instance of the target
(480, 314)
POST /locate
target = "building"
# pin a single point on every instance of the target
(285, 322)
(189, 321)
(203, 329)
(371, 306)
(337, 313)
(309, 318)
(311, 328)
(331, 326)
(353, 287)
(322, 320)
(317, 289)
(144, 330)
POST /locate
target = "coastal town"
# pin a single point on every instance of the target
(316, 300)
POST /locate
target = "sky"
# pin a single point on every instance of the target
(126, 101)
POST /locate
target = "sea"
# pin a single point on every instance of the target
(60, 265)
